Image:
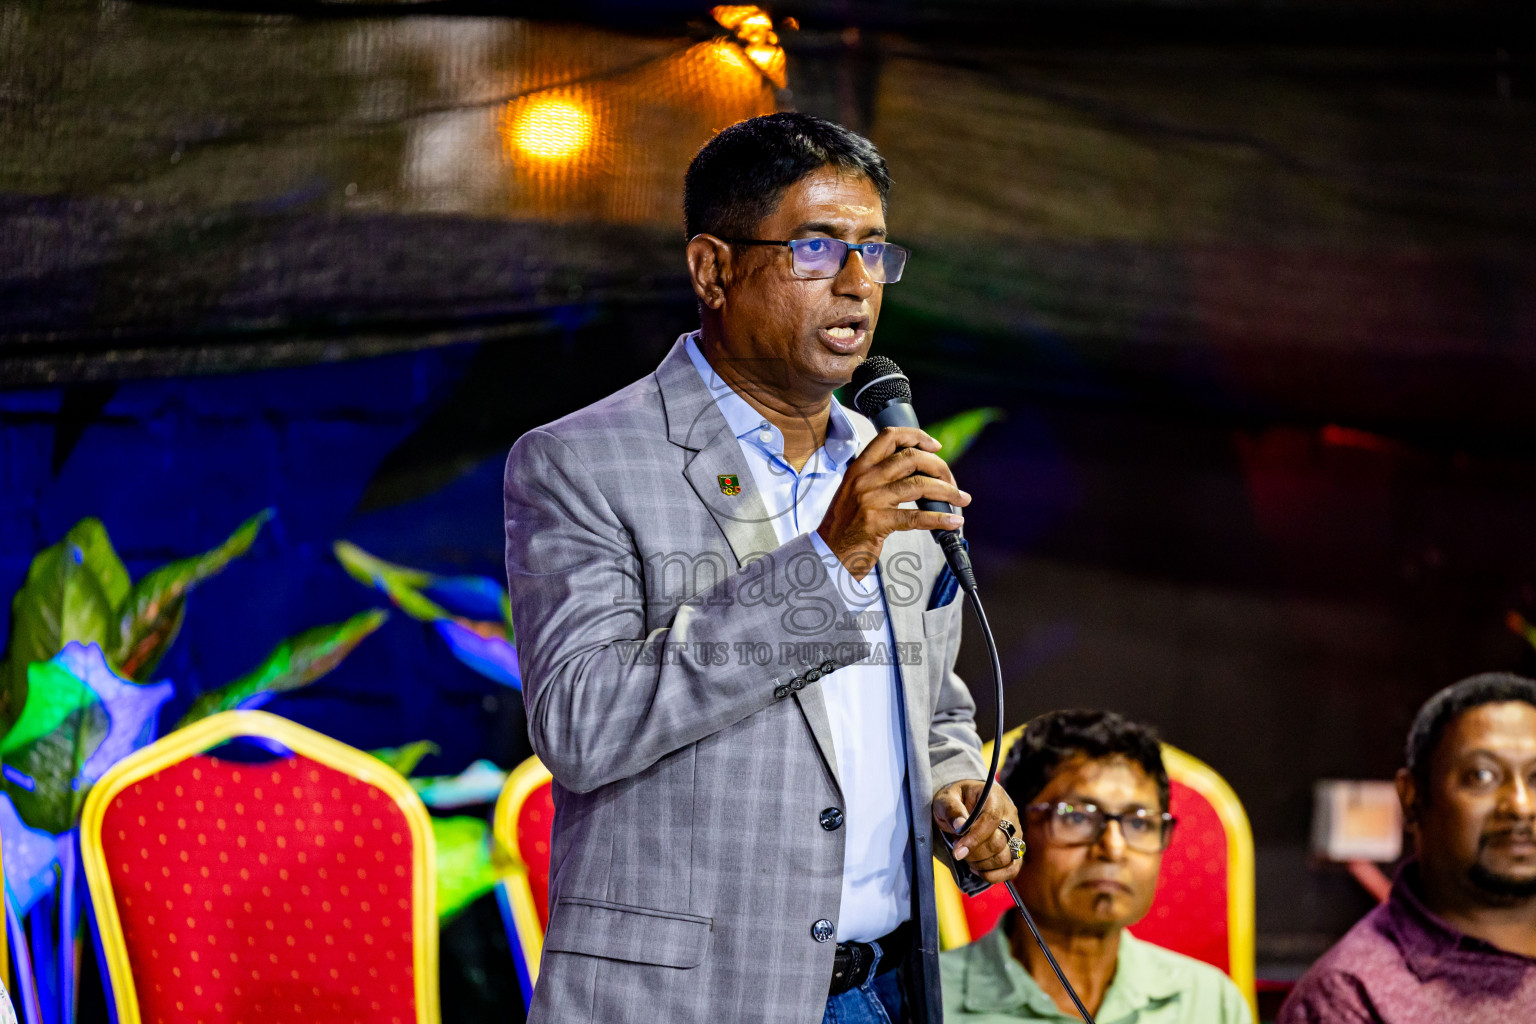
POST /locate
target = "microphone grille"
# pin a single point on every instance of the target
(877, 382)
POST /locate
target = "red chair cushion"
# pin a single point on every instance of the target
(1189, 911)
(535, 818)
(278, 892)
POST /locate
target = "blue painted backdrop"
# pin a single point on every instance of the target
(172, 466)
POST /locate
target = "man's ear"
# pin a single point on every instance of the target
(1408, 796)
(709, 268)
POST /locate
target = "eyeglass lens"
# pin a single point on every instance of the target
(824, 257)
(1074, 824)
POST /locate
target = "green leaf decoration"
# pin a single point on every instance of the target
(402, 583)
(464, 869)
(958, 432)
(61, 725)
(101, 558)
(151, 616)
(53, 694)
(66, 596)
(296, 662)
(405, 759)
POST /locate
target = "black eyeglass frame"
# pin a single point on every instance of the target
(1167, 820)
(859, 247)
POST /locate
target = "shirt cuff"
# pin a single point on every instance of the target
(858, 595)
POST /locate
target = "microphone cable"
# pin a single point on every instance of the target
(968, 584)
(884, 394)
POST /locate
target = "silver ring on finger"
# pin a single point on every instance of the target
(1016, 847)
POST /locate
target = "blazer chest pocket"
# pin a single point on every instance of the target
(618, 931)
(939, 620)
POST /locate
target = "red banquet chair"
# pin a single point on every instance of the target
(295, 888)
(525, 812)
(1204, 905)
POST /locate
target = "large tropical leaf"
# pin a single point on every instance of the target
(401, 583)
(480, 783)
(60, 727)
(132, 708)
(471, 613)
(482, 646)
(100, 557)
(464, 869)
(405, 759)
(53, 694)
(68, 595)
(31, 859)
(468, 597)
(960, 431)
(151, 615)
(295, 662)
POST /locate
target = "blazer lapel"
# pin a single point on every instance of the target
(742, 516)
(717, 467)
(695, 422)
(901, 558)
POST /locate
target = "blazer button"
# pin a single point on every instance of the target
(812, 676)
(827, 668)
(831, 819)
(823, 931)
(781, 692)
(797, 683)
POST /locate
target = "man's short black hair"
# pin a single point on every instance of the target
(1061, 735)
(1444, 707)
(740, 175)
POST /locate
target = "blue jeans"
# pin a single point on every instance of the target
(877, 1001)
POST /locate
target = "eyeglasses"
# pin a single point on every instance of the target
(820, 258)
(1082, 824)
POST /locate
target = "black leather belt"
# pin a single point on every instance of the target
(852, 960)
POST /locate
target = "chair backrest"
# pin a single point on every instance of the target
(525, 813)
(1204, 905)
(296, 888)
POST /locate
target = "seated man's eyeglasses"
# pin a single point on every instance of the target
(819, 258)
(1082, 824)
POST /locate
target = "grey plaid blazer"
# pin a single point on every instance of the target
(670, 648)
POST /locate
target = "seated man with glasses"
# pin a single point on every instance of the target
(1094, 795)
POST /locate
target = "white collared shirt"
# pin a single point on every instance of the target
(863, 701)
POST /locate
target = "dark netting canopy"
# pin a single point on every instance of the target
(1322, 212)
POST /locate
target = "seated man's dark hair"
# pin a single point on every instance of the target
(1060, 735)
(1440, 710)
(740, 175)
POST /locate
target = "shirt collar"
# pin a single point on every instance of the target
(1429, 945)
(997, 983)
(747, 424)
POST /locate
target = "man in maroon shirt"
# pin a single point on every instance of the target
(1456, 940)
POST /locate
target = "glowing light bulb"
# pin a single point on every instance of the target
(754, 32)
(731, 57)
(551, 129)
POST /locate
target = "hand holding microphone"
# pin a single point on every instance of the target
(898, 466)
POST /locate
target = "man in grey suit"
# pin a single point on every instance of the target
(733, 660)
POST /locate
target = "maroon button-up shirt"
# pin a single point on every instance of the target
(1403, 965)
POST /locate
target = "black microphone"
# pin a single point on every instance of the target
(884, 394)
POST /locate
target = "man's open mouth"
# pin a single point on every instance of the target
(846, 333)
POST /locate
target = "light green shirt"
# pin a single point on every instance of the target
(984, 984)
